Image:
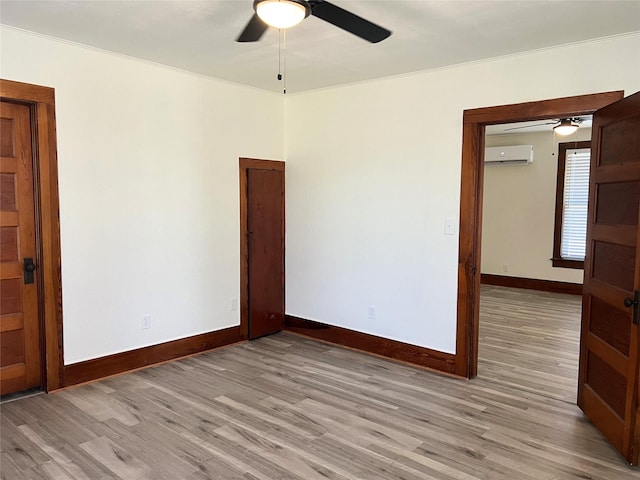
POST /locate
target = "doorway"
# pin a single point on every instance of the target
(519, 322)
(262, 230)
(38, 103)
(608, 362)
(471, 196)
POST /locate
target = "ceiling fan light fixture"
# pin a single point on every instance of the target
(281, 13)
(566, 127)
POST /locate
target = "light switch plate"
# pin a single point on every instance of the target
(450, 226)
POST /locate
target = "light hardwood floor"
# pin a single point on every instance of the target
(285, 407)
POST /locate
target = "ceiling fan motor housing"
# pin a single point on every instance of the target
(302, 3)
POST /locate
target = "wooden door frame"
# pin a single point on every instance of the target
(245, 165)
(472, 176)
(41, 101)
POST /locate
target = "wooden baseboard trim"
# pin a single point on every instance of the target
(98, 368)
(532, 284)
(403, 352)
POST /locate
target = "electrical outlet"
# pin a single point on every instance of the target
(146, 322)
(505, 267)
(372, 312)
(234, 303)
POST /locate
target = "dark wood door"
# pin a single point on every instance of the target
(19, 329)
(265, 237)
(608, 381)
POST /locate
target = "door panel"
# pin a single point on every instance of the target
(19, 324)
(608, 382)
(614, 264)
(619, 141)
(7, 187)
(613, 194)
(265, 220)
(610, 325)
(8, 244)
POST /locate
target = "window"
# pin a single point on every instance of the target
(572, 199)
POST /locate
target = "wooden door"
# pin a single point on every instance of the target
(608, 381)
(265, 248)
(19, 325)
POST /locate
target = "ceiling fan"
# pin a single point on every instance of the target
(563, 126)
(287, 13)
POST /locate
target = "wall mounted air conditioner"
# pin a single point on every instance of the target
(510, 155)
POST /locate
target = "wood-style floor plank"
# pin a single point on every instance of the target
(287, 407)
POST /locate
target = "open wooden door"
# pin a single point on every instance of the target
(608, 382)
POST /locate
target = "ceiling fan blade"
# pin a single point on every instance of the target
(348, 21)
(530, 126)
(253, 31)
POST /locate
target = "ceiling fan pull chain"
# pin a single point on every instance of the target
(284, 60)
(279, 54)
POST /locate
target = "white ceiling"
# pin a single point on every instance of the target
(199, 36)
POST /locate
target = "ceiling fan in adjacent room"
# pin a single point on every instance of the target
(563, 126)
(283, 14)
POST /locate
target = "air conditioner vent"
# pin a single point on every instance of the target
(509, 155)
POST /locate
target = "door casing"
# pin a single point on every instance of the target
(472, 176)
(41, 101)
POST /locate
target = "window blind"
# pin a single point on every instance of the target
(575, 202)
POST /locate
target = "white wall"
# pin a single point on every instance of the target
(149, 202)
(373, 171)
(519, 210)
(148, 171)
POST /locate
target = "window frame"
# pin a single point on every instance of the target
(557, 259)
